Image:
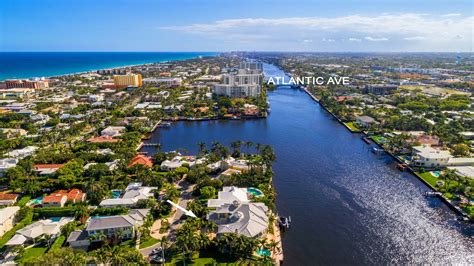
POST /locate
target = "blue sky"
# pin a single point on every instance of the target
(226, 25)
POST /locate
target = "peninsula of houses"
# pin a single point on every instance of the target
(76, 189)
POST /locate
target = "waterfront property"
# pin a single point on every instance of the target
(245, 83)
(430, 157)
(234, 213)
(336, 180)
(141, 159)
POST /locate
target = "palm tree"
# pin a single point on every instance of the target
(236, 147)
(98, 236)
(258, 146)
(164, 242)
(48, 239)
(202, 148)
(249, 144)
(81, 212)
(119, 256)
(274, 246)
(102, 255)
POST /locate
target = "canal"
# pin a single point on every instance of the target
(348, 206)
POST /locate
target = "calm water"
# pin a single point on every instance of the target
(348, 205)
(45, 64)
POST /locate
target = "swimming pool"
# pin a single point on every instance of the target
(37, 201)
(255, 191)
(264, 252)
(435, 173)
(116, 194)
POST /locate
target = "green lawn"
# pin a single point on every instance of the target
(197, 260)
(22, 202)
(150, 242)
(30, 254)
(379, 139)
(470, 211)
(204, 258)
(428, 177)
(58, 243)
(352, 126)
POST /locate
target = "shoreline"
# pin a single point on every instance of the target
(410, 170)
(109, 67)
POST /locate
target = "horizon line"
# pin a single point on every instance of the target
(237, 51)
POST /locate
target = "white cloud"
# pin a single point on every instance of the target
(415, 38)
(374, 39)
(432, 32)
(355, 40)
(328, 40)
(452, 15)
(307, 41)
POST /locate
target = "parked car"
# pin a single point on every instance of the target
(157, 251)
(157, 259)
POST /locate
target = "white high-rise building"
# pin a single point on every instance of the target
(245, 83)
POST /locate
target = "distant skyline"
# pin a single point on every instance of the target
(230, 25)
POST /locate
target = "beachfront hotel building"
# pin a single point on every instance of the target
(245, 83)
(26, 83)
(129, 80)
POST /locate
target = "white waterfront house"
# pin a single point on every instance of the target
(234, 213)
(427, 156)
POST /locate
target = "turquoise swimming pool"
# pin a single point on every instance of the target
(255, 191)
(37, 201)
(116, 194)
(264, 252)
(436, 173)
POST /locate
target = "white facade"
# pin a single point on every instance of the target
(238, 91)
(6, 164)
(245, 83)
(7, 217)
(427, 156)
(133, 193)
(112, 131)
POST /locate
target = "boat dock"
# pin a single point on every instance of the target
(150, 144)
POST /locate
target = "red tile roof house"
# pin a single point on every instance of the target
(8, 199)
(424, 139)
(47, 169)
(54, 200)
(341, 99)
(103, 139)
(141, 159)
(74, 195)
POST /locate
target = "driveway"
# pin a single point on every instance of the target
(174, 220)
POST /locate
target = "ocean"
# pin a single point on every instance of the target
(46, 64)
